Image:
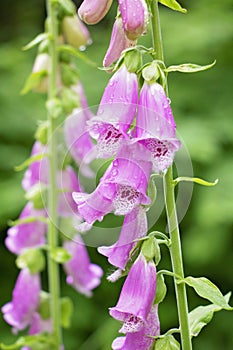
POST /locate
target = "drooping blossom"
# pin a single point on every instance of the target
(121, 189)
(116, 112)
(25, 300)
(75, 32)
(118, 43)
(27, 235)
(137, 296)
(81, 273)
(134, 227)
(141, 340)
(91, 12)
(155, 126)
(134, 15)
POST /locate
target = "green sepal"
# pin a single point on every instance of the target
(151, 72)
(33, 259)
(133, 60)
(41, 134)
(67, 6)
(54, 107)
(69, 74)
(60, 255)
(35, 342)
(69, 100)
(33, 81)
(167, 342)
(151, 250)
(189, 68)
(152, 191)
(196, 180)
(37, 195)
(73, 52)
(37, 40)
(208, 290)
(173, 4)
(161, 289)
(67, 309)
(27, 162)
(202, 315)
(44, 305)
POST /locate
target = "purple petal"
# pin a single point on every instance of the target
(25, 300)
(92, 12)
(134, 227)
(83, 275)
(27, 235)
(137, 296)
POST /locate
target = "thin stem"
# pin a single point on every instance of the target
(53, 268)
(173, 226)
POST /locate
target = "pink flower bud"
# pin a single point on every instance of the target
(134, 16)
(91, 12)
(75, 32)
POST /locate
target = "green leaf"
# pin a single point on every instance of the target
(28, 220)
(60, 255)
(161, 289)
(30, 160)
(73, 52)
(37, 341)
(152, 191)
(33, 81)
(167, 342)
(67, 308)
(31, 258)
(202, 315)
(38, 39)
(196, 180)
(206, 289)
(189, 68)
(173, 4)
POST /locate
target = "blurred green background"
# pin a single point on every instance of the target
(202, 104)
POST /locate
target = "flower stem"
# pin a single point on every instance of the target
(53, 268)
(173, 226)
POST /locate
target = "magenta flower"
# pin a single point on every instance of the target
(155, 126)
(93, 11)
(27, 235)
(122, 187)
(134, 15)
(134, 227)
(115, 113)
(37, 171)
(140, 340)
(81, 274)
(137, 296)
(25, 300)
(118, 43)
(78, 140)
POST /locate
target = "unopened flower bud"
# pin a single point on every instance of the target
(75, 32)
(42, 63)
(91, 12)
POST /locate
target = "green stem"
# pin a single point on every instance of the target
(53, 268)
(173, 226)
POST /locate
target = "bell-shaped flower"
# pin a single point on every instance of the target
(116, 113)
(141, 340)
(134, 227)
(81, 273)
(118, 43)
(155, 126)
(25, 300)
(27, 235)
(75, 32)
(122, 187)
(137, 296)
(91, 12)
(134, 15)
(78, 140)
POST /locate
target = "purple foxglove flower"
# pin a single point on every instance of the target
(140, 340)
(68, 183)
(118, 43)
(78, 140)
(134, 227)
(134, 15)
(91, 12)
(155, 126)
(27, 235)
(81, 274)
(115, 113)
(122, 187)
(137, 296)
(38, 170)
(19, 312)
(75, 32)
(78, 88)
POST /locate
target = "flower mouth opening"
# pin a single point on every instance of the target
(126, 200)
(132, 324)
(109, 139)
